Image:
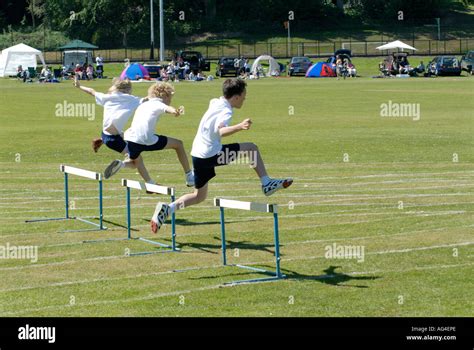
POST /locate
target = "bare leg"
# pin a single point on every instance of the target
(258, 165)
(189, 199)
(177, 145)
(137, 164)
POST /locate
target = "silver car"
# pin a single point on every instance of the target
(299, 65)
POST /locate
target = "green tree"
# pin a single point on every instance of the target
(36, 8)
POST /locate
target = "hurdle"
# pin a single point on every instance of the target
(69, 170)
(251, 206)
(158, 189)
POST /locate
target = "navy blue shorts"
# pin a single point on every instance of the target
(134, 149)
(115, 142)
(204, 168)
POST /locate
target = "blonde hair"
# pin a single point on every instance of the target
(123, 86)
(161, 90)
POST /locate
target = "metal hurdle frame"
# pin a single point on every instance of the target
(66, 170)
(170, 191)
(259, 207)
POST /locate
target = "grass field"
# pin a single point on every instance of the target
(399, 188)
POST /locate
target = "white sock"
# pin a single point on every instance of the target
(264, 180)
(172, 207)
(122, 164)
(189, 172)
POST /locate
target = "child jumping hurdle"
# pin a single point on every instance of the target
(208, 152)
(141, 135)
(119, 106)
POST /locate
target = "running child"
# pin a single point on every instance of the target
(141, 135)
(208, 152)
(118, 105)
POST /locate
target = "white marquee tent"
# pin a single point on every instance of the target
(397, 44)
(20, 54)
(273, 69)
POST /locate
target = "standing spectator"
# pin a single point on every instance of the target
(242, 65)
(247, 66)
(99, 66)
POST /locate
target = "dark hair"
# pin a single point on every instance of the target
(233, 86)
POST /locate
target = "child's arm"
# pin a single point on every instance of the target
(176, 112)
(229, 130)
(83, 88)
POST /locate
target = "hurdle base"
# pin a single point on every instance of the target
(255, 280)
(162, 245)
(105, 240)
(99, 228)
(274, 276)
(46, 219)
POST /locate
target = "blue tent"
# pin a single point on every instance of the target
(320, 70)
(135, 71)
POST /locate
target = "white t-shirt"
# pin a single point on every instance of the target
(143, 126)
(207, 142)
(118, 108)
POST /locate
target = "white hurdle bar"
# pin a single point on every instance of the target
(169, 191)
(251, 206)
(66, 170)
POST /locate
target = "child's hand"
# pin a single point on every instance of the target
(245, 125)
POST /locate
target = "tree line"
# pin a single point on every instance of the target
(114, 23)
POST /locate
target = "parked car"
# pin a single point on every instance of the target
(153, 69)
(299, 65)
(195, 59)
(467, 62)
(444, 65)
(225, 66)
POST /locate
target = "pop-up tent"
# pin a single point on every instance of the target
(273, 69)
(397, 44)
(135, 71)
(320, 70)
(17, 55)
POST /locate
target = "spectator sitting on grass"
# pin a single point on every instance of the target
(90, 72)
(421, 68)
(200, 77)
(19, 71)
(46, 73)
(78, 72)
(64, 72)
(163, 75)
(403, 67)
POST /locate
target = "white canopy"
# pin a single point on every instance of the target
(20, 54)
(274, 68)
(397, 44)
